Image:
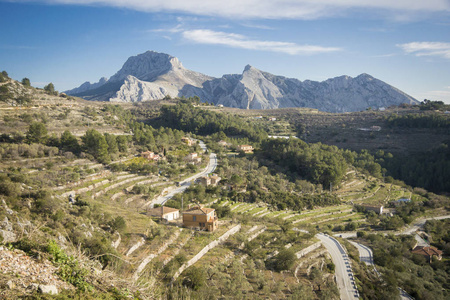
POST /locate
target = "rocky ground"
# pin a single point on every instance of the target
(22, 274)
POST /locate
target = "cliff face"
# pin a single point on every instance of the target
(152, 75)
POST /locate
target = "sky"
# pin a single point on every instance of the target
(405, 43)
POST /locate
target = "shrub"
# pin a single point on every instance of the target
(69, 269)
(195, 278)
(285, 260)
(118, 224)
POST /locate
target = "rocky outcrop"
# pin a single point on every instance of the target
(152, 76)
(255, 89)
(147, 76)
(24, 275)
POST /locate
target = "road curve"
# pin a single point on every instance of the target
(366, 255)
(343, 270)
(419, 224)
(212, 164)
(410, 229)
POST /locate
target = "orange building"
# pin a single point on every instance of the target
(201, 217)
(245, 148)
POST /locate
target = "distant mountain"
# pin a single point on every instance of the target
(152, 76)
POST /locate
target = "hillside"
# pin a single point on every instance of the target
(152, 76)
(75, 195)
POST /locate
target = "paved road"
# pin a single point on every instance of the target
(419, 224)
(343, 270)
(365, 253)
(172, 191)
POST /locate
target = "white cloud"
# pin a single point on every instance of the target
(437, 96)
(266, 9)
(204, 36)
(427, 49)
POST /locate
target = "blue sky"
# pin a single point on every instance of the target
(405, 43)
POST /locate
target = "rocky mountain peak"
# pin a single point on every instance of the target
(147, 66)
(247, 68)
(152, 75)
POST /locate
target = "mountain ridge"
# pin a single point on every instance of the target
(152, 76)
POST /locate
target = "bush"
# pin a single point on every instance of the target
(118, 224)
(69, 269)
(195, 278)
(8, 188)
(285, 260)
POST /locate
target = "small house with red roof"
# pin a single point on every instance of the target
(428, 252)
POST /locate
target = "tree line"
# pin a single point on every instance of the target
(318, 163)
(184, 116)
(433, 120)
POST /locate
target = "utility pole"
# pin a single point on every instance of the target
(181, 203)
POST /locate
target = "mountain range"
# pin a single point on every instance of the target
(152, 75)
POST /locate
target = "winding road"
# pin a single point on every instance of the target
(343, 271)
(172, 191)
(366, 253)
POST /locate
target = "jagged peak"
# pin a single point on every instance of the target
(147, 66)
(248, 68)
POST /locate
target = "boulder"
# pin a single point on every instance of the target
(48, 289)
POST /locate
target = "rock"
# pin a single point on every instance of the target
(48, 289)
(152, 76)
(6, 225)
(10, 285)
(62, 239)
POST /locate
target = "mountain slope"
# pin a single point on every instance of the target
(152, 75)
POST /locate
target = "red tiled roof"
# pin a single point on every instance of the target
(429, 251)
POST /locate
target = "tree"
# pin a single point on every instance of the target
(50, 89)
(96, 145)
(112, 143)
(195, 278)
(4, 76)
(37, 133)
(26, 81)
(285, 259)
(118, 224)
(69, 142)
(122, 143)
(4, 93)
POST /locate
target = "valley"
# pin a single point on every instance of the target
(79, 178)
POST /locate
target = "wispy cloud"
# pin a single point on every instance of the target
(427, 49)
(204, 36)
(266, 9)
(257, 26)
(385, 55)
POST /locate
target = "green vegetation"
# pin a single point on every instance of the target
(26, 82)
(429, 170)
(186, 117)
(50, 89)
(433, 105)
(61, 201)
(400, 267)
(419, 121)
(318, 163)
(439, 234)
